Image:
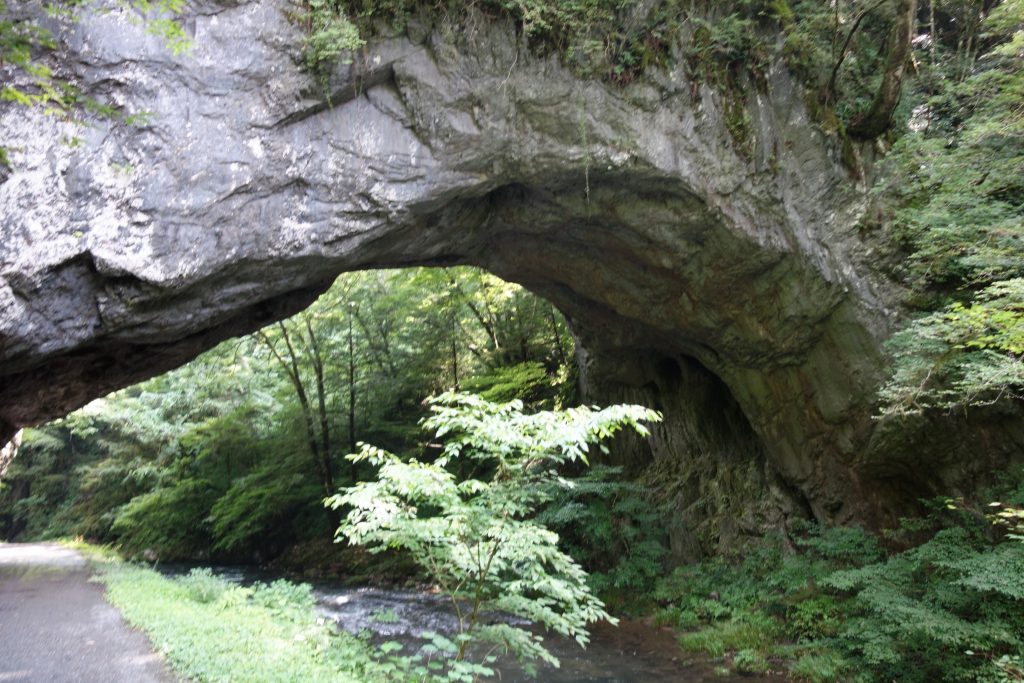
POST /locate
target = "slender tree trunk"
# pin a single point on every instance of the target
(321, 394)
(291, 368)
(354, 470)
(377, 341)
(553, 322)
(836, 24)
(933, 34)
(831, 90)
(455, 351)
(484, 323)
(901, 41)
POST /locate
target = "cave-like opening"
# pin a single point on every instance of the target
(356, 364)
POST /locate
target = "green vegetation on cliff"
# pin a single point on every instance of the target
(957, 181)
(847, 53)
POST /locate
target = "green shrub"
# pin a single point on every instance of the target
(949, 609)
(749, 662)
(331, 35)
(820, 667)
(919, 611)
(479, 538)
(170, 522)
(843, 545)
(284, 596)
(612, 527)
(753, 631)
(202, 586)
(814, 618)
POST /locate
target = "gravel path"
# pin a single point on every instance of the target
(56, 626)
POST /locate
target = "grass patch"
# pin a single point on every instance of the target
(211, 630)
(749, 633)
(94, 553)
(823, 667)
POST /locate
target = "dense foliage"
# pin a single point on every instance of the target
(231, 454)
(478, 536)
(613, 528)
(958, 186)
(947, 609)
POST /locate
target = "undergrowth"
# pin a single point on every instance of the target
(611, 526)
(842, 609)
(211, 630)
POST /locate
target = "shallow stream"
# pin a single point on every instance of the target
(632, 652)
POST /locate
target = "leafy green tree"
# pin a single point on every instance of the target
(478, 537)
(958, 180)
(239, 452)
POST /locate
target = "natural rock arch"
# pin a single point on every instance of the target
(726, 282)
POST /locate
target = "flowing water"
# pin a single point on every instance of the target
(632, 652)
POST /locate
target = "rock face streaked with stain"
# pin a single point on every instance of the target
(729, 288)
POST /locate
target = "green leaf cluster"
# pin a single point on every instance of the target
(964, 354)
(957, 179)
(330, 35)
(478, 536)
(840, 609)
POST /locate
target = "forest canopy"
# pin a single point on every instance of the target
(244, 442)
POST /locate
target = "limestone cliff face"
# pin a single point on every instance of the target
(730, 288)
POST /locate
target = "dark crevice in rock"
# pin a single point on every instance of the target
(704, 460)
(335, 94)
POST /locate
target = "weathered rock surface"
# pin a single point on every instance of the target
(732, 289)
(8, 451)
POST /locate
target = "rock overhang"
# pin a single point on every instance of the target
(246, 185)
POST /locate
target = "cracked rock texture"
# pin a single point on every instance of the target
(731, 290)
